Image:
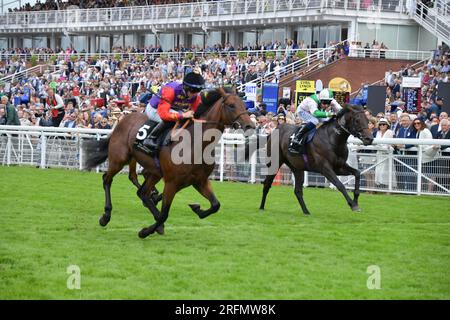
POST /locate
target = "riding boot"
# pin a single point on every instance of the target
(151, 141)
(298, 141)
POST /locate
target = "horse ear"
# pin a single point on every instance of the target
(232, 89)
(222, 92)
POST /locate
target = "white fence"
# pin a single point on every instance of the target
(383, 168)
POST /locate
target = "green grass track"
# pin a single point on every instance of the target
(49, 221)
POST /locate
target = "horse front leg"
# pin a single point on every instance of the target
(332, 177)
(154, 195)
(205, 189)
(169, 192)
(143, 193)
(346, 170)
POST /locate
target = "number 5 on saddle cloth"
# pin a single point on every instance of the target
(146, 130)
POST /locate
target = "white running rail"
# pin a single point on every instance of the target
(382, 169)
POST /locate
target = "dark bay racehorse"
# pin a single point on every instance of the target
(218, 109)
(326, 154)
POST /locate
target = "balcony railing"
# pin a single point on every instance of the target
(354, 52)
(202, 11)
(152, 55)
(435, 20)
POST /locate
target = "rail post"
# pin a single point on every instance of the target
(222, 156)
(253, 167)
(8, 152)
(43, 149)
(419, 170)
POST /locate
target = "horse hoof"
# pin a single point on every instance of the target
(195, 207)
(356, 209)
(160, 230)
(307, 213)
(261, 209)
(103, 221)
(143, 233)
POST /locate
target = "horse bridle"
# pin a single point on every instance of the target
(349, 131)
(221, 107)
(238, 116)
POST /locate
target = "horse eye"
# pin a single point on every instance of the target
(231, 106)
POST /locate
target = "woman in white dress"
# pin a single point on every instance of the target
(382, 171)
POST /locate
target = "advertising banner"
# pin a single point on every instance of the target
(270, 96)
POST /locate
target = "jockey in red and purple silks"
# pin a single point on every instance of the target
(170, 103)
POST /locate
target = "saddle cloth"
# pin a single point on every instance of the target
(309, 137)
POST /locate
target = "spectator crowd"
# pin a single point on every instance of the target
(429, 121)
(87, 90)
(90, 4)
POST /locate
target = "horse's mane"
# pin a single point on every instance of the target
(345, 109)
(209, 97)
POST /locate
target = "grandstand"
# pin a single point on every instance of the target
(398, 24)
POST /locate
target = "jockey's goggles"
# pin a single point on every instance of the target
(193, 87)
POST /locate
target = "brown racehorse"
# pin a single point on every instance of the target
(218, 109)
(326, 154)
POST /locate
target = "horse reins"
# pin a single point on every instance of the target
(221, 106)
(175, 130)
(357, 134)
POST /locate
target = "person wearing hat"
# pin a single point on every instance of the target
(382, 170)
(384, 129)
(311, 110)
(168, 106)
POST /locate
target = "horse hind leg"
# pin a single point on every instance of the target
(205, 189)
(298, 190)
(267, 185)
(116, 163)
(132, 173)
(107, 182)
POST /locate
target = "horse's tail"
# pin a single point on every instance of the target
(95, 152)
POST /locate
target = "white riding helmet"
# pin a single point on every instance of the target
(326, 95)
